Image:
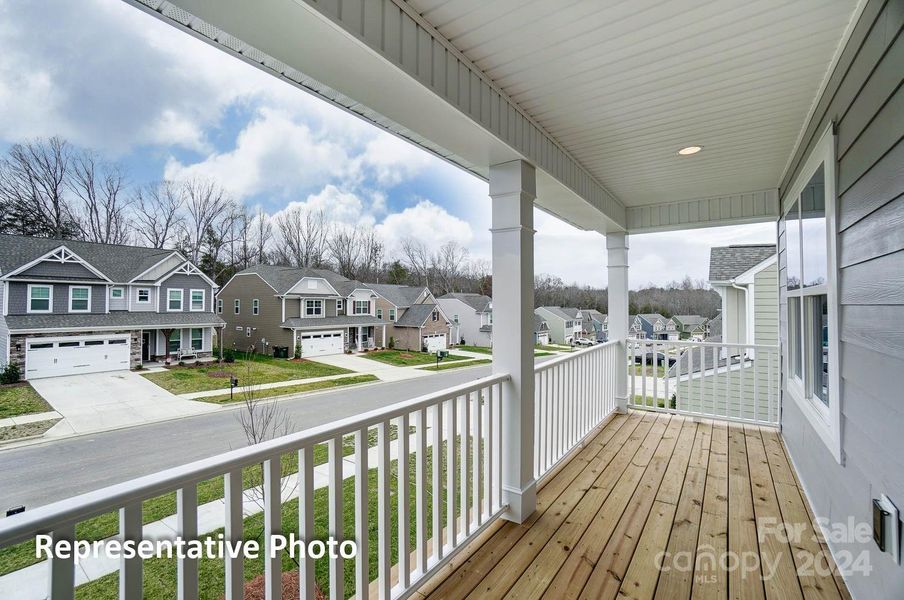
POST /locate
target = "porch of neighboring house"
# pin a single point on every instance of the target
(656, 506)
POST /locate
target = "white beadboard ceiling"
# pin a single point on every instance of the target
(622, 85)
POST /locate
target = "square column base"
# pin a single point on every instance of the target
(521, 503)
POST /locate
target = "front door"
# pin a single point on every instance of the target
(145, 346)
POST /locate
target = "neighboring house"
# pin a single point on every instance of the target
(746, 277)
(691, 326)
(714, 329)
(72, 307)
(565, 324)
(414, 319)
(319, 312)
(654, 326)
(472, 318)
(595, 324)
(541, 331)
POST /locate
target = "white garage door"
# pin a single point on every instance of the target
(320, 344)
(543, 339)
(73, 355)
(435, 342)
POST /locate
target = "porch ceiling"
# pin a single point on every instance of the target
(598, 94)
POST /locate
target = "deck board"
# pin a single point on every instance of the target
(647, 509)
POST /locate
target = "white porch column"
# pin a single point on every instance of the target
(513, 190)
(360, 337)
(384, 344)
(617, 248)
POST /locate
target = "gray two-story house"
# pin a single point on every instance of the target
(72, 307)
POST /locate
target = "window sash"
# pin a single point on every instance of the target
(79, 299)
(43, 298)
(362, 307)
(116, 293)
(237, 306)
(313, 308)
(197, 339)
(255, 307)
(144, 296)
(197, 299)
(392, 314)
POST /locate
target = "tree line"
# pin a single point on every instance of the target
(51, 188)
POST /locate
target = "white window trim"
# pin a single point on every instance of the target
(79, 287)
(340, 305)
(355, 307)
(255, 306)
(191, 303)
(121, 291)
(138, 299)
(318, 303)
(49, 299)
(191, 339)
(825, 420)
(237, 306)
(219, 306)
(181, 299)
(379, 313)
(392, 315)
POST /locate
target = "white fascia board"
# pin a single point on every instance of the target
(46, 256)
(747, 277)
(736, 208)
(245, 275)
(293, 292)
(351, 59)
(157, 264)
(192, 270)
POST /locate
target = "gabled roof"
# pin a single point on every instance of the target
(402, 296)
(282, 278)
(416, 315)
(540, 323)
(573, 313)
(727, 262)
(478, 302)
(594, 314)
(562, 313)
(650, 317)
(690, 320)
(118, 262)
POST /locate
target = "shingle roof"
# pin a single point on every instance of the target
(558, 311)
(120, 263)
(113, 320)
(727, 262)
(690, 320)
(340, 321)
(415, 315)
(539, 322)
(594, 314)
(282, 278)
(715, 328)
(650, 317)
(478, 302)
(402, 296)
(573, 313)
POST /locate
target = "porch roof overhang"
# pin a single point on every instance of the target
(598, 98)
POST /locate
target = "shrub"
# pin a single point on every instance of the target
(297, 350)
(181, 363)
(10, 374)
(229, 355)
(391, 342)
(139, 367)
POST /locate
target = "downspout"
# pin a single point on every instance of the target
(746, 311)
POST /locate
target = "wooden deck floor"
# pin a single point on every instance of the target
(648, 509)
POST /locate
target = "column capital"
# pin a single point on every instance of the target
(514, 177)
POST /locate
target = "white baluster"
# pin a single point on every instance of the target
(420, 480)
(130, 584)
(383, 507)
(403, 504)
(306, 518)
(234, 565)
(362, 562)
(61, 581)
(437, 488)
(187, 529)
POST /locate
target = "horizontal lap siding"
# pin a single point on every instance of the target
(865, 100)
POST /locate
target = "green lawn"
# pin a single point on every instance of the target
(479, 349)
(22, 555)
(648, 370)
(292, 389)
(455, 365)
(259, 369)
(548, 348)
(160, 574)
(404, 358)
(21, 399)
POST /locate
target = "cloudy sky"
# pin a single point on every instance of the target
(106, 76)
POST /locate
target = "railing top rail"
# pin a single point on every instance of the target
(572, 355)
(705, 344)
(91, 504)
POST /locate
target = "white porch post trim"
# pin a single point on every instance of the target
(513, 190)
(617, 249)
(360, 337)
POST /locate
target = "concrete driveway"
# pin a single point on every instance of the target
(99, 401)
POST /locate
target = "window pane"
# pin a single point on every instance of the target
(794, 346)
(175, 340)
(792, 246)
(813, 230)
(42, 293)
(80, 293)
(197, 339)
(818, 346)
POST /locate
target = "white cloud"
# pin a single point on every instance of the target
(427, 222)
(393, 160)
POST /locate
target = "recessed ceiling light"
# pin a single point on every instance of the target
(688, 150)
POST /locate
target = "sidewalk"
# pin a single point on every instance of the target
(30, 418)
(30, 583)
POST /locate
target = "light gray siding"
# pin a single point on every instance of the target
(865, 100)
(143, 307)
(120, 303)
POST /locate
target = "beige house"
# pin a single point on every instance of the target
(414, 320)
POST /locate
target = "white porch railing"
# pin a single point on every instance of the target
(573, 394)
(733, 382)
(456, 496)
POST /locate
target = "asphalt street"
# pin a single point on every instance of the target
(44, 473)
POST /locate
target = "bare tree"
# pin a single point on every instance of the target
(447, 265)
(33, 188)
(416, 258)
(207, 206)
(345, 251)
(158, 213)
(263, 235)
(372, 250)
(302, 237)
(100, 186)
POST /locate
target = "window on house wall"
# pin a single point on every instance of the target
(116, 293)
(174, 299)
(392, 314)
(175, 341)
(455, 319)
(237, 306)
(313, 308)
(379, 313)
(144, 296)
(40, 298)
(362, 307)
(219, 306)
(255, 307)
(79, 299)
(340, 306)
(197, 339)
(435, 315)
(812, 335)
(197, 300)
